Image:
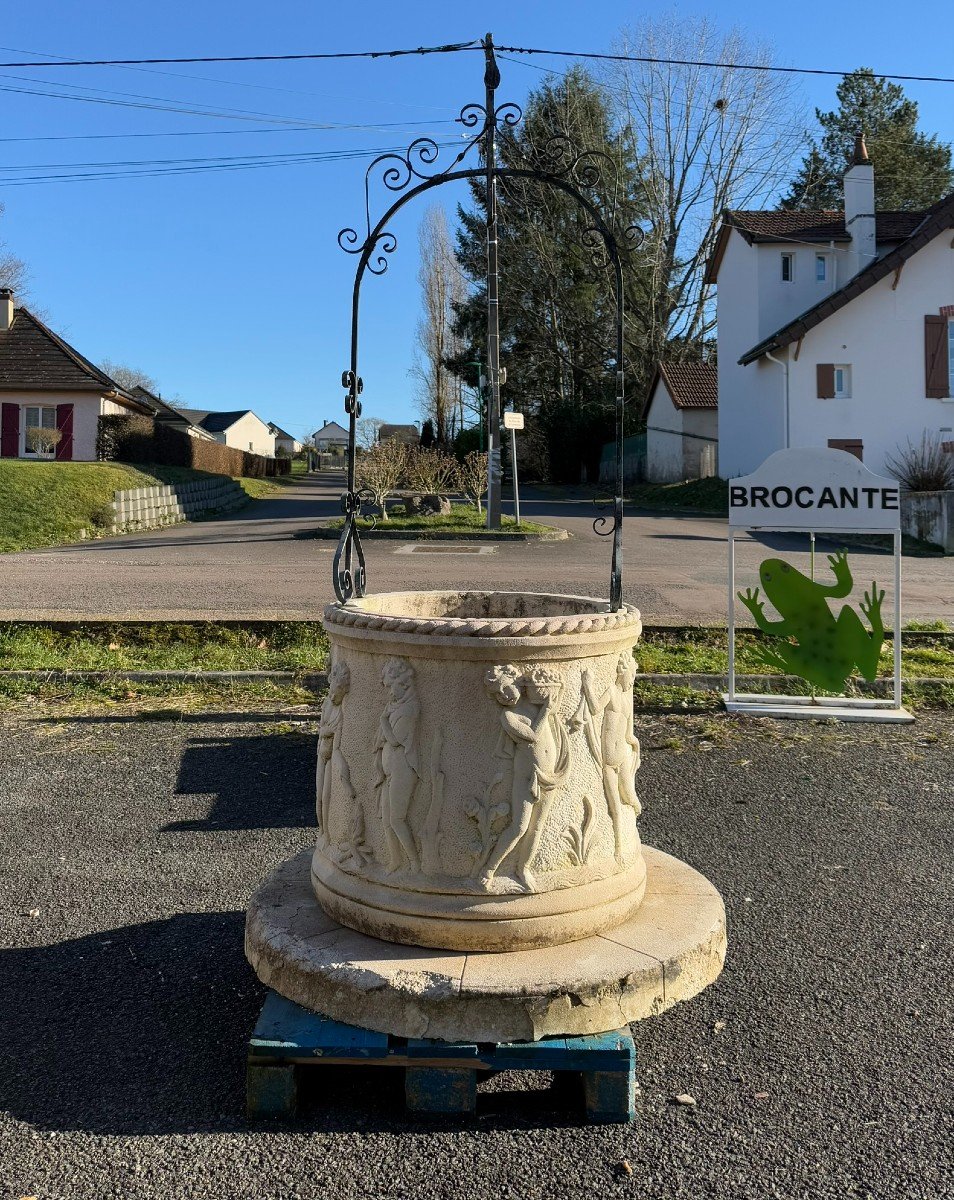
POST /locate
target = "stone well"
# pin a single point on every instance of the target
(478, 873)
(476, 769)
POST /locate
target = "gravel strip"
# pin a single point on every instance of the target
(820, 1063)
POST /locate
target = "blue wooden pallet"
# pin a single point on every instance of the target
(439, 1077)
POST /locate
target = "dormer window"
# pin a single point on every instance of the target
(821, 268)
(788, 268)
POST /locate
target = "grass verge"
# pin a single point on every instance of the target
(301, 647)
(462, 518)
(698, 495)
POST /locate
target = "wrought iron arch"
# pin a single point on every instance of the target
(350, 575)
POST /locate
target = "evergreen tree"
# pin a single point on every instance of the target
(912, 170)
(557, 309)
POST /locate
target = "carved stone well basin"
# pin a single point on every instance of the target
(476, 769)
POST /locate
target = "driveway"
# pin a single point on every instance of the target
(257, 564)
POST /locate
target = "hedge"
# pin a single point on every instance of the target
(138, 439)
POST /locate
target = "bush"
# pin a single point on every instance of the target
(467, 442)
(926, 467)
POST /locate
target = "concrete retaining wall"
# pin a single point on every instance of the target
(166, 504)
(930, 517)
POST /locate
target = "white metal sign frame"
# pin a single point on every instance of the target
(788, 489)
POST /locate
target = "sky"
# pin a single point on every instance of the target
(227, 285)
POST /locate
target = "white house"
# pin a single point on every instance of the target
(241, 429)
(835, 328)
(331, 438)
(284, 441)
(46, 384)
(682, 434)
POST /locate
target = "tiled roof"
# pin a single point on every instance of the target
(403, 433)
(34, 358)
(690, 385)
(218, 422)
(931, 223)
(820, 225)
(812, 226)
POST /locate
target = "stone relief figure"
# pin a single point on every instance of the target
(609, 732)
(534, 751)
(396, 763)
(330, 758)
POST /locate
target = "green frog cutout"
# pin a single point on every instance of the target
(819, 647)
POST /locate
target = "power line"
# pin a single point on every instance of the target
(723, 66)
(226, 58)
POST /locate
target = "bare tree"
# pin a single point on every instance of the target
(128, 377)
(709, 138)
(440, 395)
(367, 431)
(381, 471)
(472, 477)
(43, 441)
(13, 270)
(431, 471)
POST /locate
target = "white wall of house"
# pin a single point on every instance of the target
(250, 433)
(664, 426)
(680, 442)
(87, 408)
(880, 336)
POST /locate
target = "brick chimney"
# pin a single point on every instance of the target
(860, 209)
(6, 309)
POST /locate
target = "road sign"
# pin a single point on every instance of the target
(513, 420)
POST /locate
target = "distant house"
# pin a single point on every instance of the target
(284, 441)
(682, 423)
(836, 328)
(331, 438)
(241, 429)
(45, 384)
(165, 414)
(410, 435)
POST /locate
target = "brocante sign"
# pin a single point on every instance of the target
(815, 489)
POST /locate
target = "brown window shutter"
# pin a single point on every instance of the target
(849, 445)
(937, 383)
(825, 377)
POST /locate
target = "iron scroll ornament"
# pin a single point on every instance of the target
(407, 174)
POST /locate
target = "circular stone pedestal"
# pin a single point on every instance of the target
(672, 948)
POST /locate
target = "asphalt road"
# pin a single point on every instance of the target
(821, 1060)
(259, 563)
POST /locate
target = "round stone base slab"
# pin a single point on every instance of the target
(670, 950)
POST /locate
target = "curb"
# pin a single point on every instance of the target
(318, 680)
(325, 533)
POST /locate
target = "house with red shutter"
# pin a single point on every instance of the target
(835, 328)
(47, 385)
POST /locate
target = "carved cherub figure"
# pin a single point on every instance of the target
(535, 754)
(613, 744)
(397, 766)
(330, 757)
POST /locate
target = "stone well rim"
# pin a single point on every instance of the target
(410, 614)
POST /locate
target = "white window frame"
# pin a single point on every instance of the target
(844, 371)
(25, 451)
(788, 256)
(822, 260)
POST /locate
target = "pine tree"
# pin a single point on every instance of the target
(557, 310)
(912, 169)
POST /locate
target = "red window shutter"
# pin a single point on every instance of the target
(849, 445)
(64, 423)
(825, 377)
(937, 383)
(10, 431)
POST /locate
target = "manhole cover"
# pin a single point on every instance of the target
(445, 548)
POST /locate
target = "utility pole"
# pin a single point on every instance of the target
(491, 82)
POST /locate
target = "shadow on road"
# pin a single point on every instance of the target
(258, 782)
(142, 1030)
